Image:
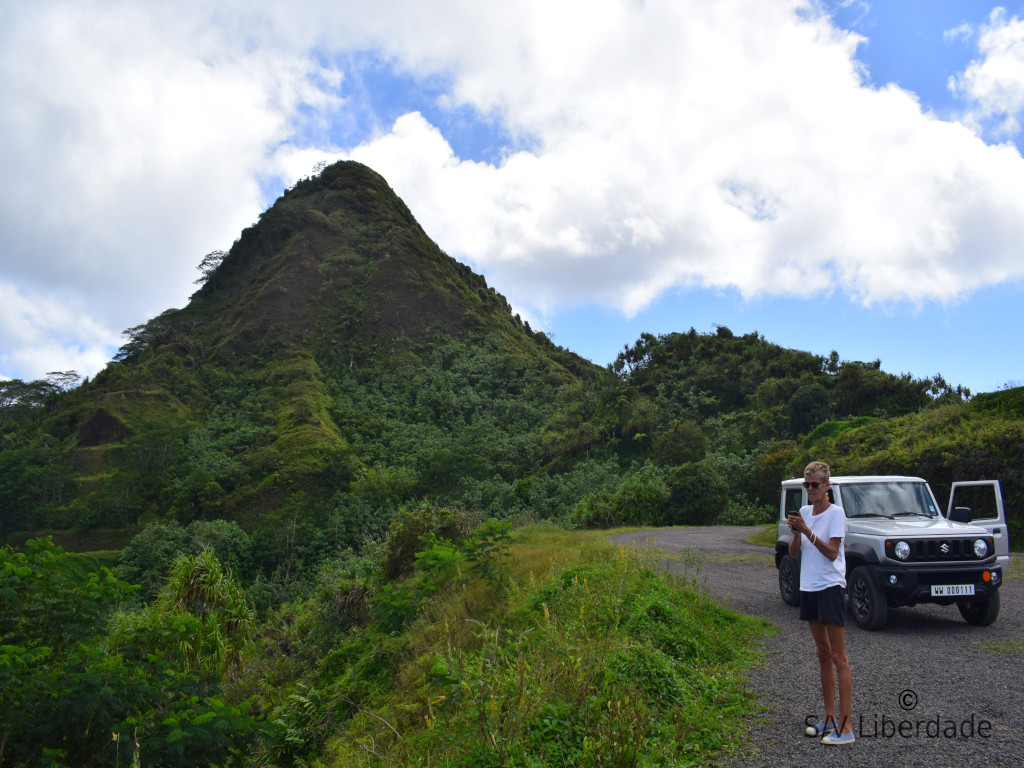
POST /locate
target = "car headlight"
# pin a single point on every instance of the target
(980, 548)
(902, 550)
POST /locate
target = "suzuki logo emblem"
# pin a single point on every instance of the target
(944, 549)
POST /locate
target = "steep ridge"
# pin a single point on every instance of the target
(341, 267)
(246, 403)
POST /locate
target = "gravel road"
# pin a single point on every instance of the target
(927, 672)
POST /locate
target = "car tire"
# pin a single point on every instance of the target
(981, 612)
(867, 603)
(789, 581)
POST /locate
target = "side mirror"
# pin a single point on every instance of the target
(960, 515)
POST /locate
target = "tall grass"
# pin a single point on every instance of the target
(569, 652)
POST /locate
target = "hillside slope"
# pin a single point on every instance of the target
(332, 339)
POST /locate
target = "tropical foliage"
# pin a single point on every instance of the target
(76, 693)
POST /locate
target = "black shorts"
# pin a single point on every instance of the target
(827, 606)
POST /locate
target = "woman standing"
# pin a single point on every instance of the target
(819, 530)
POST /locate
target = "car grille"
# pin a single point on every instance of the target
(940, 550)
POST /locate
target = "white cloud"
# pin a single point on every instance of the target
(962, 31)
(135, 138)
(730, 145)
(661, 144)
(44, 333)
(993, 84)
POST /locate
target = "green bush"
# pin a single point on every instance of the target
(405, 537)
(149, 555)
(639, 499)
(699, 495)
(69, 682)
(809, 406)
(682, 443)
(748, 514)
(772, 463)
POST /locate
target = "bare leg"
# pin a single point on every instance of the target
(837, 643)
(823, 645)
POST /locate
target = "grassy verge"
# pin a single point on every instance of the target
(569, 651)
(766, 537)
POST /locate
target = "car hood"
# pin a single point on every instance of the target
(910, 526)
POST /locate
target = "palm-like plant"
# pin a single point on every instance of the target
(200, 586)
(201, 611)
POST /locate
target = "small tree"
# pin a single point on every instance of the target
(17, 397)
(149, 334)
(683, 443)
(699, 495)
(808, 407)
(62, 381)
(208, 267)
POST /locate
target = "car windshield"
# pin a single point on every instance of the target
(889, 500)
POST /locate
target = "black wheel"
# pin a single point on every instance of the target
(980, 612)
(867, 603)
(789, 581)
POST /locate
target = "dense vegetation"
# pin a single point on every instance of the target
(485, 649)
(304, 483)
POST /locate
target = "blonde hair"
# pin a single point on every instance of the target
(818, 469)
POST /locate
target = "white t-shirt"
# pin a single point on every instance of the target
(817, 572)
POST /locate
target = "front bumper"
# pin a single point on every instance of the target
(906, 586)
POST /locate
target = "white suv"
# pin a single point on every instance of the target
(900, 549)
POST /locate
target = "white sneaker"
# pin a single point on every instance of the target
(838, 737)
(821, 728)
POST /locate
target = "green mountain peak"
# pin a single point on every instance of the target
(251, 401)
(339, 266)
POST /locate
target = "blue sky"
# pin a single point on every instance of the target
(972, 340)
(837, 175)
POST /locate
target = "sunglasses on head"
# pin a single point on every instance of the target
(814, 485)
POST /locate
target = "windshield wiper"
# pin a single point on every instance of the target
(873, 514)
(911, 514)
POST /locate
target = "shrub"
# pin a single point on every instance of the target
(682, 443)
(771, 465)
(148, 557)
(699, 495)
(747, 514)
(640, 499)
(404, 538)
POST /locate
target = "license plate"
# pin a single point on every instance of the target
(952, 590)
